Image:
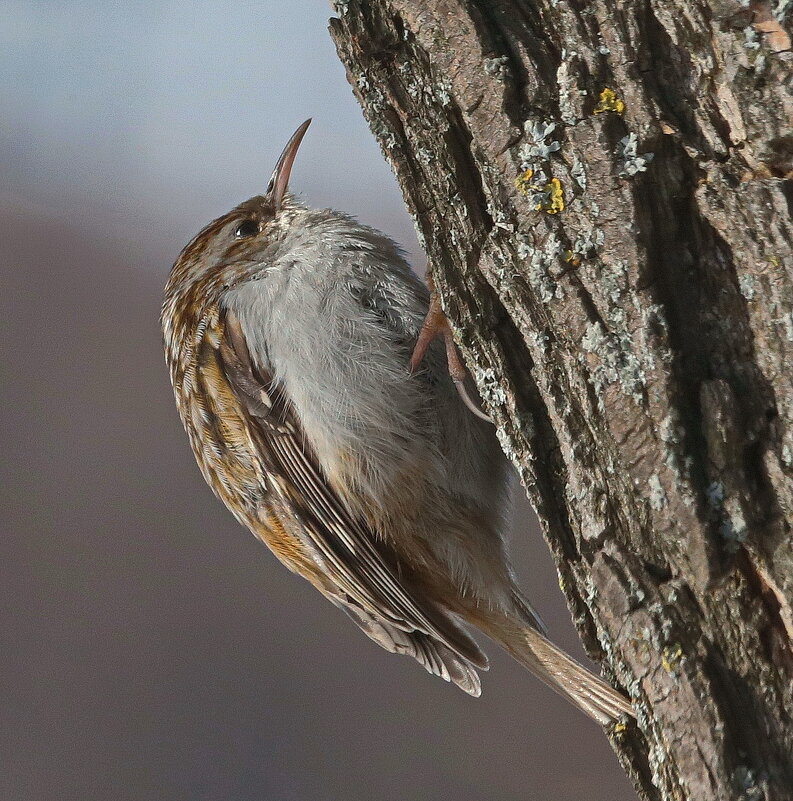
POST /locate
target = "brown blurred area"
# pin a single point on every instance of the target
(151, 648)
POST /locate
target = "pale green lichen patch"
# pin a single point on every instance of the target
(375, 104)
(501, 221)
(578, 173)
(780, 9)
(538, 341)
(489, 387)
(658, 499)
(506, 445)
(387, 138)
(630, 163)
(539, 144)
(503, 269)
(587, 244)
(670, 429)
(524, 249)
(443, 92)
(748, 286)
(616, 361)
(612, 282)
(751, 41)
(424, 155)
(593, 337)
(540, 262)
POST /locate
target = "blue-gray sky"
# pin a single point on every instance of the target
(163, 112)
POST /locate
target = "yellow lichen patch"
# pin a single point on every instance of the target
(619, 728)
(555, 200)
(572, 258)
(671, 656)
(523, 182)
(609, 102)
(547, 197)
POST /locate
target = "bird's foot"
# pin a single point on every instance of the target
(436, 325)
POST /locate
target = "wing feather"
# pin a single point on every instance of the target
(435, 657)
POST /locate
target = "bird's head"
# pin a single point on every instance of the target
(235, 246)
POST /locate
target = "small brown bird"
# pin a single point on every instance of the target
(289, 334)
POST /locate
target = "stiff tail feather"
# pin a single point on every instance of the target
(559, 671)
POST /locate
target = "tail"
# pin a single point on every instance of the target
(559, 671)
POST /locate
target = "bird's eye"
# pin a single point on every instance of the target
(247, 228)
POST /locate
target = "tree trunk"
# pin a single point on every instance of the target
(602, 190)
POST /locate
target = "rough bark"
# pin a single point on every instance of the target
(633, 347)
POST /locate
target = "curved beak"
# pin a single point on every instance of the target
(279, 181)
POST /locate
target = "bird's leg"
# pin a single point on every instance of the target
(435, 324)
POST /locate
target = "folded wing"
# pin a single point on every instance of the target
(362, 579)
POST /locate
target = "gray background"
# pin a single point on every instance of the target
(151, 648)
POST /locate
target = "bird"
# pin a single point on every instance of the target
(321, 411)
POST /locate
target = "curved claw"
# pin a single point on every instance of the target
(470, 405)
(435, 324)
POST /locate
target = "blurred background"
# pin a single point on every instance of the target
(151, 648)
